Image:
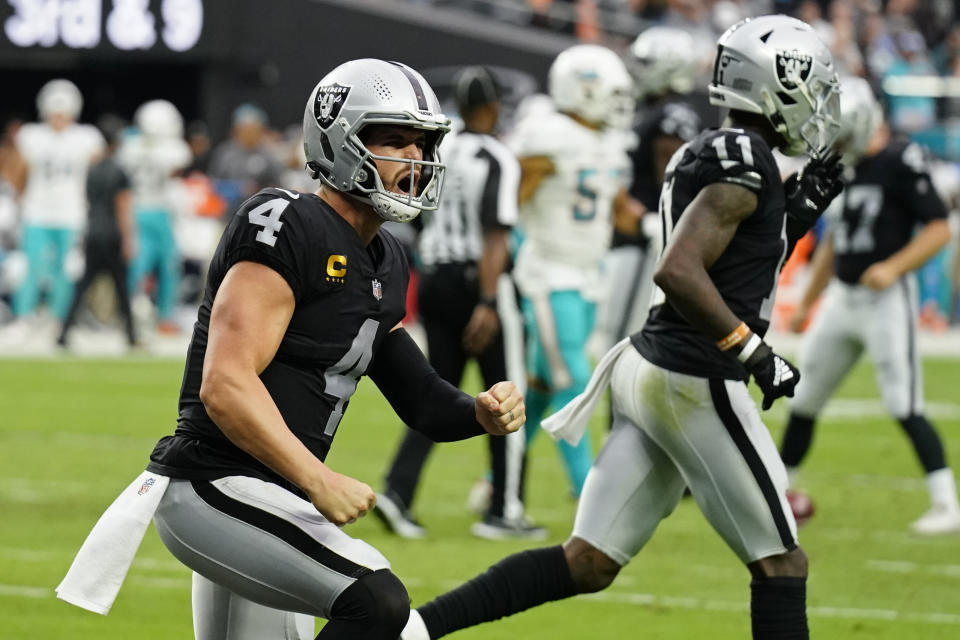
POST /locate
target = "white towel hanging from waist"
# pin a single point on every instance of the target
(570, 422)
(98, 571)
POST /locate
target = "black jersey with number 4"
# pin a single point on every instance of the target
(348, 297)
(891, 192)
(745, 273)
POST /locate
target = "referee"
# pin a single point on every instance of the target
(464, 250)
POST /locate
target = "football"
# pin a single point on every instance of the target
(801, 505)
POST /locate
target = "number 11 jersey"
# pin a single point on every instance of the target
(745, 273)
(348, 297)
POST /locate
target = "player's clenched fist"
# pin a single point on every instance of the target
(341, 499)
(500, 409)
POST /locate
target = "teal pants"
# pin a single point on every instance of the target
(558, 326)
(157, 254)
(46, 250)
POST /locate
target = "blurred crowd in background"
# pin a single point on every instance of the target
(909, 51)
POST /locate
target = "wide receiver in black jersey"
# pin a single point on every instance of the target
(871, 303)
(304, 295)
(683, 415)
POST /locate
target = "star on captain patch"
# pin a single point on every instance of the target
(377, 289)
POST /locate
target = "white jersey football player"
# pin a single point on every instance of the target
(151, 158)
(57, 153)
(867, 258)
(575, 171)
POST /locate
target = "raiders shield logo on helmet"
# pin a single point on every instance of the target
(329, 101)
(793, 68)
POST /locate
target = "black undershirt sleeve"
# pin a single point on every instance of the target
(424, 401)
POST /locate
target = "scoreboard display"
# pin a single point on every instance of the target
(158, 27)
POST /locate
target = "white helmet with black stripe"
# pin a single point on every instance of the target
(779, 67)
(365, 92)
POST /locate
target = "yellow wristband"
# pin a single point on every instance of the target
(734, 338)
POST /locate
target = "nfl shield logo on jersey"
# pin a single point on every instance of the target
(377, 289)
(329, 101)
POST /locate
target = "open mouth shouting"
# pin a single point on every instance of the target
(407, 183)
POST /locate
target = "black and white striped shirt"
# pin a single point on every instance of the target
(479, 193)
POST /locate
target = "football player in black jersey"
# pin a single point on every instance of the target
(683, 414)
(871, 302)
(304, 295)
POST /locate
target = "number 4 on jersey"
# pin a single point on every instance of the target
(267, 216)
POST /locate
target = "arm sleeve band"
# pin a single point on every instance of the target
(424, 401)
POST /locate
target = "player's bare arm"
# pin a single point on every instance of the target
(124, 205)
(627, 213)
(485, 323)
(250, 314)
(15, 170)
(703, 232)
(429, 404)
(821, 270)
(929, 240)
(533, 169)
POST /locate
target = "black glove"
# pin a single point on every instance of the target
(810, 191)
(775, 376)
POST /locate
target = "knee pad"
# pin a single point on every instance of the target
(378, 598)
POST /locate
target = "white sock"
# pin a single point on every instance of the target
(792, 476)
(415, 629)
(943, 488)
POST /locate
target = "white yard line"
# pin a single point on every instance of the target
(701, 604)
(874, 408)
(897, 566)
(19, 591)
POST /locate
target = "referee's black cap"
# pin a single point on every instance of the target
(474, 87)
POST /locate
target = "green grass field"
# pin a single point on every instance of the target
(74, 432)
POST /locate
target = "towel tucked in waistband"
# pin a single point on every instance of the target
(94, 579)
(570, 422)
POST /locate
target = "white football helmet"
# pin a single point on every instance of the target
(663, 59)
(59, 97)
(159, 119)
(369, 91)
(592, 82)
(860, 116)
(779, 67)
